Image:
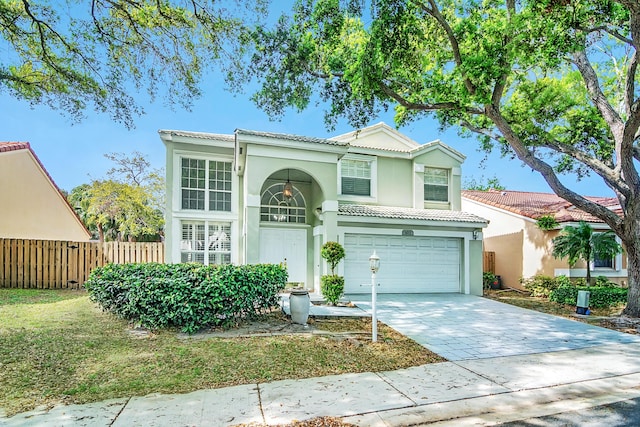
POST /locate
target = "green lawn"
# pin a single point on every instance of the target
(57, 346)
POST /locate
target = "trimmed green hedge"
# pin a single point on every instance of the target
(187, 296)
(599, 297)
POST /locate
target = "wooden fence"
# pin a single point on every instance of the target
(49, 264)
(489, 262)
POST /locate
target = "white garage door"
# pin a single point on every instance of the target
(408, 264)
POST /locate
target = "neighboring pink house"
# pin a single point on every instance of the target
(523, 249)
(32, 206)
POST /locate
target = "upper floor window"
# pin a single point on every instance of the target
(206, 183)
(436, 185)
(355, 177)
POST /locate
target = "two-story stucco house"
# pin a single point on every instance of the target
(258, 197)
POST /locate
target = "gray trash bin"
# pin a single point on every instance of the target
(582, 305)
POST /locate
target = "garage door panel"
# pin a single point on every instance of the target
(409, 264)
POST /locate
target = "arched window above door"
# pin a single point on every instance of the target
(276, 207)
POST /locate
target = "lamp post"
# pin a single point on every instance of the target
(374, 265)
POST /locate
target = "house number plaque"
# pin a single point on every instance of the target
(407, 232)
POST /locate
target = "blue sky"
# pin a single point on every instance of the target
(73, 154)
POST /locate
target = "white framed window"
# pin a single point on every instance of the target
(205, 184)
(436, 184)
(205, 242)
(357, 176)
(275, 207)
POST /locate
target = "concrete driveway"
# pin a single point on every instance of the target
(467, 327)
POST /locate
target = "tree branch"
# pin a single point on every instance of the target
(425, 107)
(609, 31)
(547, 172)
(434, 12)
(609, 175)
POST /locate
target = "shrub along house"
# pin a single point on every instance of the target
(259, 197)
(522, 248)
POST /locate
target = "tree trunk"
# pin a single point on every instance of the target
(633, 272)
(100, 233)
(588, 261)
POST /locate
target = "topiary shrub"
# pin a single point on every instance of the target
(187, 296)
(332, 285)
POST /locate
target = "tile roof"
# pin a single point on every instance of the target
(11, 146)
(291, 137)
(407, 213)
(534, 205)
(199, 135)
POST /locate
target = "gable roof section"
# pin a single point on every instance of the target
(395, 141)
(15, 146)
(408, 213)
(391, 140)
(534, 205)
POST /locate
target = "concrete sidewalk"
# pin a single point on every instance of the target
(467, 392)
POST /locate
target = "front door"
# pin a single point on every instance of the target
(285, 245)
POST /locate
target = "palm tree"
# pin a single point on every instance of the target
(582, 243)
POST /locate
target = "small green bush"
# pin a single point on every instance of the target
(540, 286)
(547, 222)
(599, 297)
(604, 282)
(332, 285)
(332, 288)
(487, 279)
(187, 296)
(563, 281)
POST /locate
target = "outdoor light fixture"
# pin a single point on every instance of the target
(374, 265)
(475, 234)
(287, 190)
(374, 262)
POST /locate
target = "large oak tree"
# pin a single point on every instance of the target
(73, 54)
(551, 82)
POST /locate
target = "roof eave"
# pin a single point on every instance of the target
(342, 217)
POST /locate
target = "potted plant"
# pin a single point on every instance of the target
(490, 280)
(332, 285)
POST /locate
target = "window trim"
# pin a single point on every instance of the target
(373, 171)
(206, 250)
(177, 182)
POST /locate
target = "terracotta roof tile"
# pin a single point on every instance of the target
(534, 205)
(407, 213)
(11, 146)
